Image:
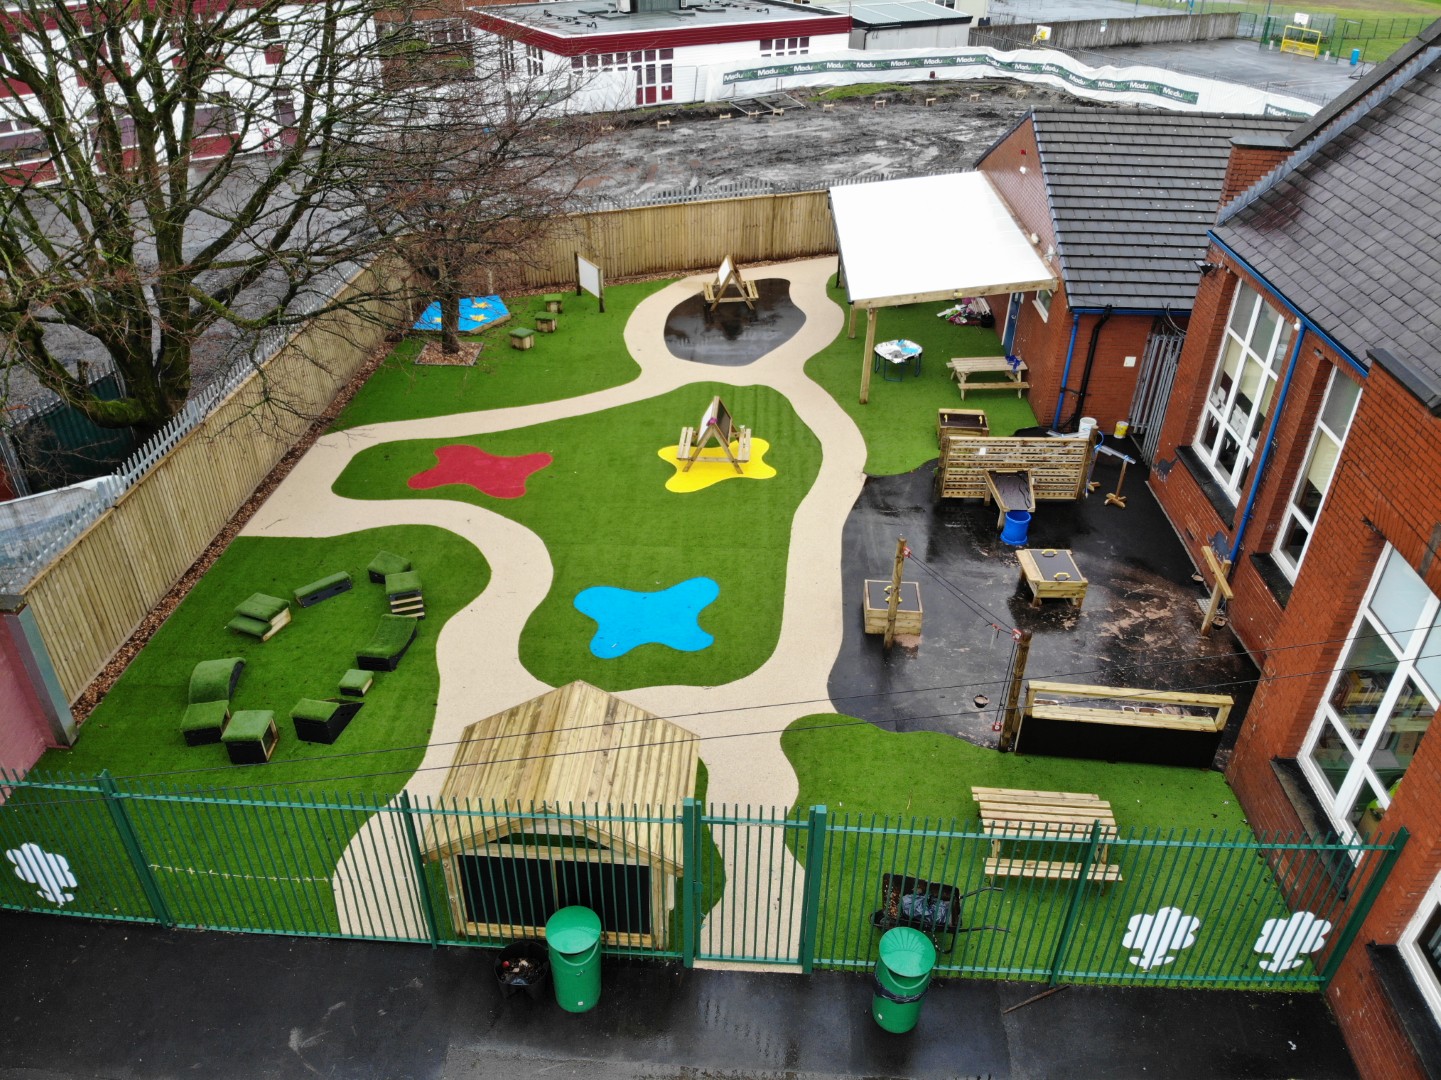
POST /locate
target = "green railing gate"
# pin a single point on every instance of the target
(758, 885)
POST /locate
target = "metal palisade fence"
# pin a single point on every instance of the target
(695, 883)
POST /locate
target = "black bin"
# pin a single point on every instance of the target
(523, 967)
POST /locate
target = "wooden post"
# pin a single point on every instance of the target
(854, 311)
(1011, 720)
(1220, 568)
(869, 358)
(893, 597)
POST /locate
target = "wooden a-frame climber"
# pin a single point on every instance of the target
(719, 427)
(729, 277)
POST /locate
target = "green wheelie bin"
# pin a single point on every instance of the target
(573, 936)
(902, 974)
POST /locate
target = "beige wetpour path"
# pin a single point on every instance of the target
(478, 648)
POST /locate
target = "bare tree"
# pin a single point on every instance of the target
(481, 171)
(172, 167)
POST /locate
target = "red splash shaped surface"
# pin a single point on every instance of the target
(498, 477)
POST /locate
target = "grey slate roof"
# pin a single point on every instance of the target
(1132, 193)
(1349, 230)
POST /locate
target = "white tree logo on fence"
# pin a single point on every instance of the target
(1154, 936)
(43, 868)
(1286, 939)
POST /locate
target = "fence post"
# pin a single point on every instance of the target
(815, 875)
(422, 883)
(690, 881)
(1069, 926)
(131, 842)
(1363, 906)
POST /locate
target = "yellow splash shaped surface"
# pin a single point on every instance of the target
(705, 473)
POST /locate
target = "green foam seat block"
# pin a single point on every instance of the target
(387, 645)
(204, 721)
(356, 683)
(396, 584)
(249, 725)
(386, 563)
(323, 589)
(243, 624)
(261, 606)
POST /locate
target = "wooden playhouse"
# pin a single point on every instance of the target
(540, 803)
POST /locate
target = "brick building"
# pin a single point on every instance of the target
(1303, 443)
(1119, 202)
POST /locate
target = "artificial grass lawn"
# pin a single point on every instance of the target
(602, 509)
(899, 421)
(134, 732)
(866, 775)
(587, 353)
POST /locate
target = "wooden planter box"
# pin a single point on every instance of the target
(908, 613)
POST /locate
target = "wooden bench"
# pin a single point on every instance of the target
(964, 367)
(687, 437)
(1022, 816)
(1122, 722)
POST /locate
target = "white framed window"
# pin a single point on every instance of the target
(1299, 520)
(1420, 945)
(1381, 699)
(534, 60)
(1256, 345)
(796, 46)
(1043, 303)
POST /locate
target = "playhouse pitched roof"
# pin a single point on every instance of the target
(1132, 193)
(1346, 229)
(577, 752)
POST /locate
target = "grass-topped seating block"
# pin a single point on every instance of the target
(250, 737)
(260, 616)
(211, 685)
(322, 721)
(324, 589)
(386, 647)
(356, 683)
(521, 338)
(554, 301)
(546, 324)
(403, 592)
(384, 564)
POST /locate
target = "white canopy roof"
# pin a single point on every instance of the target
(931, 238)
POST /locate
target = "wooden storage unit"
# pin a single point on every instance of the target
(1052, 574)
(1057, 466)
(908, 612)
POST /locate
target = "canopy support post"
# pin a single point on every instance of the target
(867, 358)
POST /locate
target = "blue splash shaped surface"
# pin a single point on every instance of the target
(626, 619)
(476, 313)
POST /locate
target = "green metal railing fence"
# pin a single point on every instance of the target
(803, 888)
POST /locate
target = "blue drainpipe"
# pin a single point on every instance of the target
(1066, 374)
(1266, 446)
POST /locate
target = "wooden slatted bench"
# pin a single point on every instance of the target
(1122, 722)
(1019, 815)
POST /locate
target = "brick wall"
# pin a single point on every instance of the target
(1248, 163)
(1377, 496)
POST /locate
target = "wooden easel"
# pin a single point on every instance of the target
(719, 427)
(1222, 589)
(729, 277)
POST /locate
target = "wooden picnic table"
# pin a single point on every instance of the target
(1069, 816)
(963, 367)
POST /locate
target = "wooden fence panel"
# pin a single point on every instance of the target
(96, 592)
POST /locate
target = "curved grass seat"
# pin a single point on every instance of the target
(322, 721)
(384, 564)
(214, 680)
(250, 737)
(323, 589)
(386, 647)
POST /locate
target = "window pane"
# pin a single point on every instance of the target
(1283, 345)
(1400, 595)
(1404, 727)
(1294, 542)
(1252, 376)
(1428, 663)
(1227, 456)
(1265, 329)
(1430, 942)
(1318, 475)
(1210, 433)
(1246, 298)
(1230, 365)
(1340, 403)
(1362, 681)
(1333, 757)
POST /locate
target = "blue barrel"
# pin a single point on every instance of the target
(1355, 57)
(1017, 528)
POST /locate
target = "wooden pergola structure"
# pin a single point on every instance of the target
(929, 238)
(547, 804)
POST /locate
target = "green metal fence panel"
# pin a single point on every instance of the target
(754, 888)
(729, 884)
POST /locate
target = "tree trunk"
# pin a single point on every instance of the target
(450, 324)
